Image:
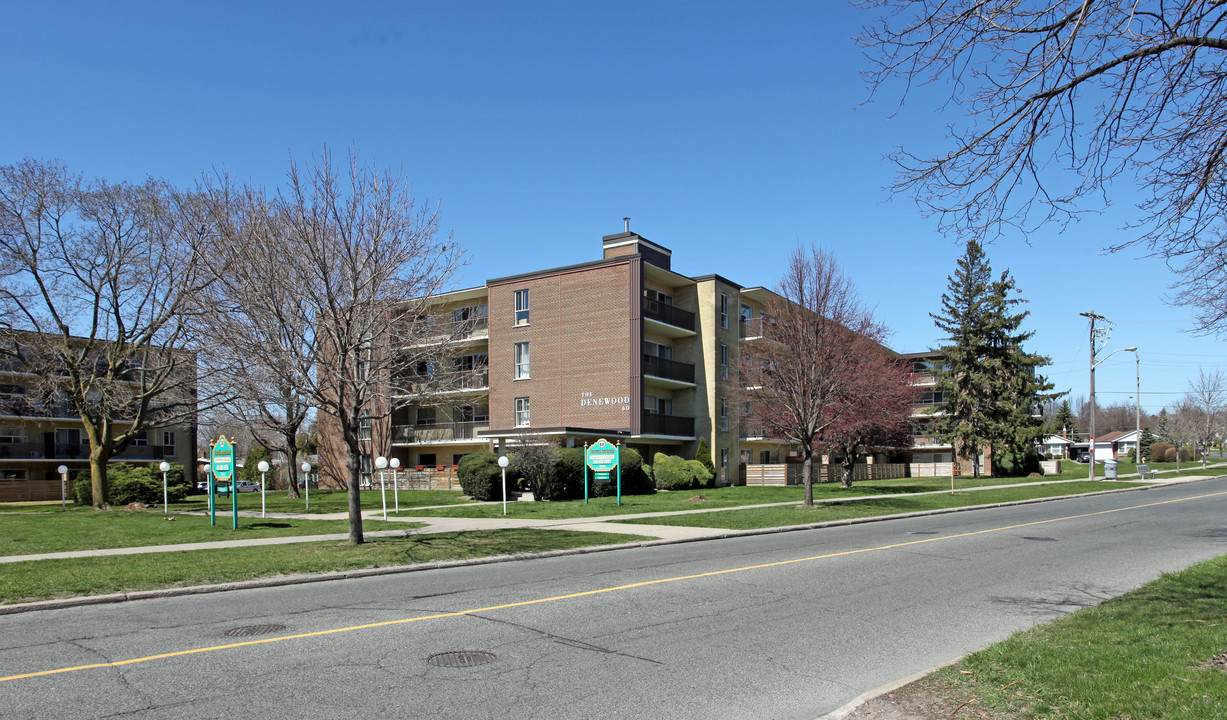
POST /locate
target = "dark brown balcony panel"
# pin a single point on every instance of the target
(668, 314)
(654, 424)
(668, 369)
(438, 432)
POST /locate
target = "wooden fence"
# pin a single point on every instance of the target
(790, 473)
(438, 478)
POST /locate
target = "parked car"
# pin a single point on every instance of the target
(247, 486)
(1083, 456)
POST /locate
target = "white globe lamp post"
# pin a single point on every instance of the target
(394, 463)
(306, 483)
(503, 462)
(381, 464)
(63, 471)
(164, 467)
(263, 468)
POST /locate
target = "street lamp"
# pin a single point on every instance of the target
(63, 471)
(381, 463)
(1093, 366)
(1137, 411)
(262, 466)
(164, 467)
(208, 471)
(306, 483)
(503, 462)
(395, 463)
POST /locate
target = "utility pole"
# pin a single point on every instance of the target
(1092, 317)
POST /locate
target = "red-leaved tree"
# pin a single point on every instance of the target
(880, 399)
(804, 376)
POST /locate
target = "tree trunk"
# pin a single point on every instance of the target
(99, 486)
(807, 476)
(354, 492)
(849, 465)
(292, 457)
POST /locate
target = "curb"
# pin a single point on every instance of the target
(848, 708)
(379, 571)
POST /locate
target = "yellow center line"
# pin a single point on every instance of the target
(586, 593)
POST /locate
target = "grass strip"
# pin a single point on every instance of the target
(87, 529)
(722, 497)
(324, 501)
(1157, 652)
(755, 518)
(48, 579)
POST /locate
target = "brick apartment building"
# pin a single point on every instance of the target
(622, 347)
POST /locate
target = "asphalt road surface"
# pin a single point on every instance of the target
(783, 625)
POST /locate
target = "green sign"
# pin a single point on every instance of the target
(602, 457)
(600, 476)
(221, 460)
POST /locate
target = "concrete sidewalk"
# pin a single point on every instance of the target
(674, 533)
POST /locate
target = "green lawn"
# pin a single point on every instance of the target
(87, 529)
(1158, 652)
(323, 501)
(46, 579)
(715, 498)
(754, 518)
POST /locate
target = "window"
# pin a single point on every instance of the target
(653, 405)
(168, 438)
(477, 361)
(12, 435)
(12, 475)
(425, 416)
(474, 314)
(364, 428)
(69, 439)
(522, 415)
(724, 311)
(141, 440)
(521, 362)
(364, 469)
(426, 459)
(658, 296)
(724, 362)
(657, 350)
(521, 307)
(724, 414)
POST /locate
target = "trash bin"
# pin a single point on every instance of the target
(1109, 469)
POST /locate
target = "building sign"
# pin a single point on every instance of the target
(602, 458)
(589, 399)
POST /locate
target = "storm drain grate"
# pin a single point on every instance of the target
(460, 658)
(1039, 539)
(247, 630)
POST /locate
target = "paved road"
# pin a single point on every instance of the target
(787, 625)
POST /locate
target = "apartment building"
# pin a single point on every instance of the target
(622, 347)
(931, 457)
(39, 432)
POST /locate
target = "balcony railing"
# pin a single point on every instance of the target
(23, 407)
(445, 382)
(668, 314)
(440, 432)
(654, 424)
(39, 451)
(668, 369)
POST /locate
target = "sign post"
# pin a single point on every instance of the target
(221, 462)
(602, 458)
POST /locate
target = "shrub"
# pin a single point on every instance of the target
(703, 455)
(1186, 453)
(635, 480)
(1158, 452)
(134, 483)
(674, 473)
(251, 470)
(480, 476)
(1170, 455)
(1015, 464)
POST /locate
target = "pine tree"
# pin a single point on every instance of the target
(960, 376)
(1148, 438)
(1065, 423)
(992, 386)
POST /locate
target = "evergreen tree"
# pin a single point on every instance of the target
(1148, 438)
(960, 376)
(257, 453)
(1163, 428)
(1065, 422)
(993, 390)
(703, 454)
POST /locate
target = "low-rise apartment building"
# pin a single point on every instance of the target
(39, 432)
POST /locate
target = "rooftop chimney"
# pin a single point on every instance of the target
(626, 224)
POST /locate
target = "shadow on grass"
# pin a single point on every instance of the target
(269, 525)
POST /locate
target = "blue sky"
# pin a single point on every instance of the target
(729, 133)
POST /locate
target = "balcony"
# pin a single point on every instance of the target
(676, 374)
(69, 451)
(667, 320)
(439, 432)
(445, 382)
(753, 431)
(654, 424)
(15, 406)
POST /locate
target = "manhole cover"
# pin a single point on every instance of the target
(460, 658)
(1039, 539)
(253, 630)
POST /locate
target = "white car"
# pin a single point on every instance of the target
(247, 486)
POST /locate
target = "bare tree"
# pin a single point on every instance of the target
(98, 285)
(535, 457)
(1183, 425)
(1106, 91)
(1204, 405)
(808, 371)
(332, 278)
